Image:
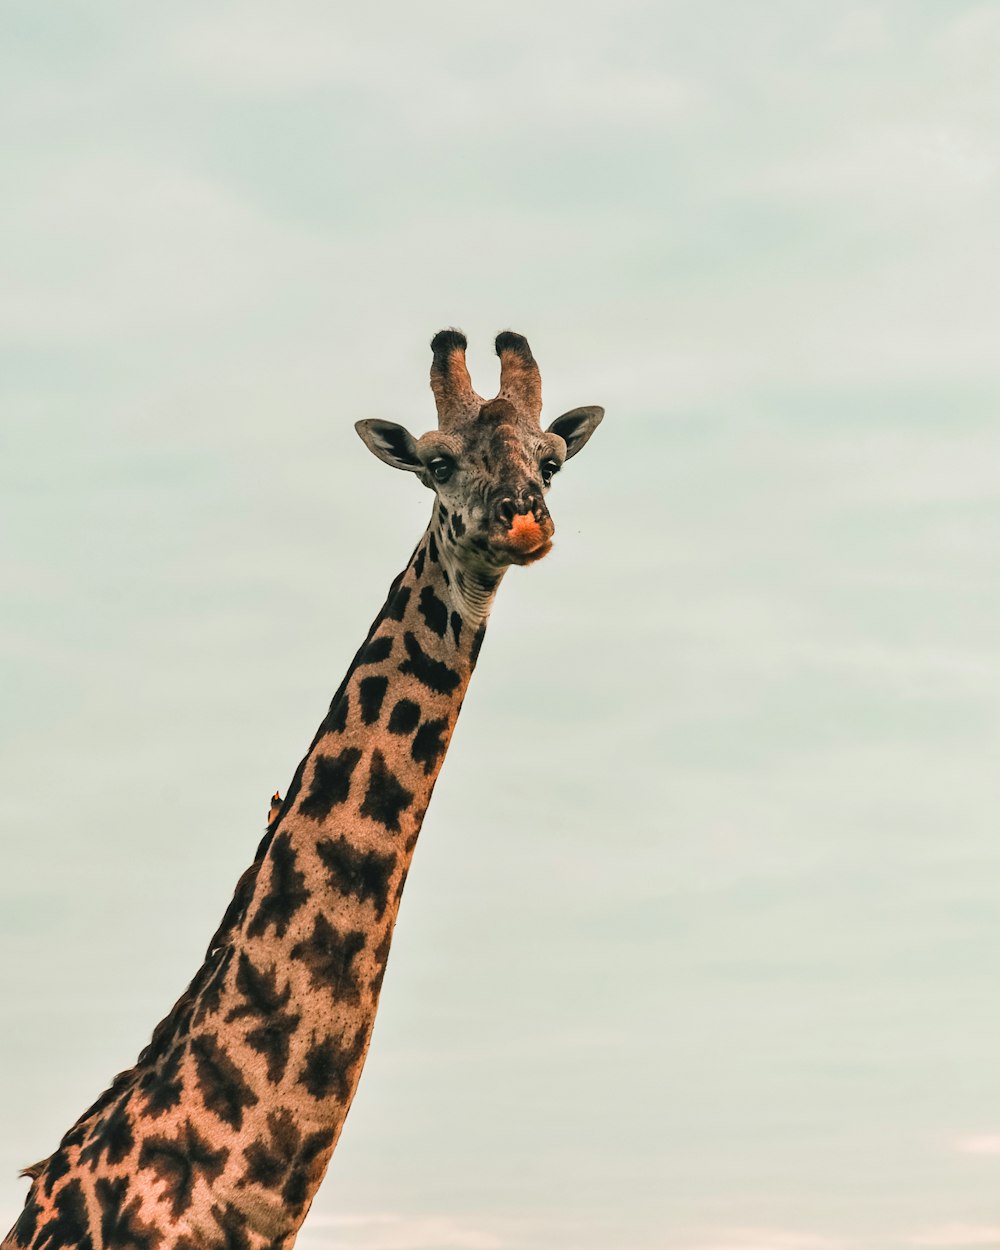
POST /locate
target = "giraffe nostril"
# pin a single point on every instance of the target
(505, 512)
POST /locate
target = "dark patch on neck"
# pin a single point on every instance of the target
(307, 1171)
(456, 626)
(233, 1232)
(405, 717)
(397, 605)
(386, 798)
(442, 513)
(211, 995)
(268, 1161)
(161, 1085)
(272, 1040)
(336, 718)
(329, 955)
(111, 1136)
(264, 1001)
(181, 1161)
(372, 692)
(68, 1227)
(432, 547)
(287, 892)
(433, 611)
(286, 1163)
(433, 674)
(121, 1228)
(364, 875)
(258, 989)
(457, 525)
(57, 1168)
(330, 1064)
(377, 650)
(428, 747)
(223, 1089)
(418, 564)
(331, 783)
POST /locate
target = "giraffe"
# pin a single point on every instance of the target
(219, 1136)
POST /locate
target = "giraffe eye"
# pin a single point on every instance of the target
(549, 469)
(441, 468)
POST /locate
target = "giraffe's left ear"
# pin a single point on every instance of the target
(391, 443)
(575, 427)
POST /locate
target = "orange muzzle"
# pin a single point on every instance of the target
(525, 534)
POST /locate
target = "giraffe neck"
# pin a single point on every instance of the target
(227, 1123)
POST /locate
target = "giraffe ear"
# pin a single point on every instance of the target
(391, 443)
(575, 427)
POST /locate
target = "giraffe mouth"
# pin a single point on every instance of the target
(526, 541)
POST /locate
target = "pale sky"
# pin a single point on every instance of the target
(701, 946)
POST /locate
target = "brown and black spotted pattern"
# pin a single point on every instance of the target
(211, 1129)
(221, 1133)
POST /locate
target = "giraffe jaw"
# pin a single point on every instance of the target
(532, 556)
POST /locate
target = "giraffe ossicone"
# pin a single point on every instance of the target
(221, 1133)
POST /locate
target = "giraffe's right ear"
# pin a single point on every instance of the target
(575, 427)
(391, 443)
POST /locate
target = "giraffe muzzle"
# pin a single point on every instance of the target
(524, 536)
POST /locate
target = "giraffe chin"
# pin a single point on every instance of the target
(518, 556)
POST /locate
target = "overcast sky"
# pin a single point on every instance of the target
(700, 949)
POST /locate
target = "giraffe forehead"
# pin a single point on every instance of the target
(497, 442)
(501, 434)
(502, 457)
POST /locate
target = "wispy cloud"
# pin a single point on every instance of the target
(958, 1237)
(112, 245)
(979, 1144)
(761, 1239)
(395, 1232)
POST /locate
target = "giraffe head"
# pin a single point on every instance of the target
(489, 462)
